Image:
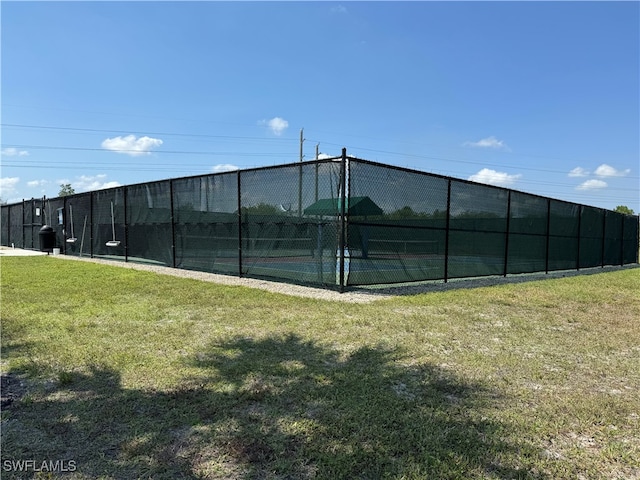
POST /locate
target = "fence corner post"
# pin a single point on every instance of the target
(342, 201)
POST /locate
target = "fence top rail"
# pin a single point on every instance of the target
(470, 182)
(320, 161)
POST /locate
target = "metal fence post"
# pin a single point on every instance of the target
(239, 225)
(173, 225)
(126, 225)
(446, 235)
(64, 224)
(622, 240)
(604, 237)
(23, 227)
(637, 241)
(342, 200)
(91, 224)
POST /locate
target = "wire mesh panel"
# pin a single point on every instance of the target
(28, 211)
(4, 225)
(15, 232)
(149, 231)
(397, 224)
(321, 210)
(612, 248)
(478, 226)
(591, 236)
(35, 209)
(27, 228)
(630, 239)
(289, 223)
(34, 219)
(56, 220)
(528, 221)
(78, 225)
(564, 228)
(108, 229)
(206, 223)
(16, 235)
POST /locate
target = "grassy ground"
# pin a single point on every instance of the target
(128, 374)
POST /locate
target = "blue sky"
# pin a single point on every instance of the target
(542, 97)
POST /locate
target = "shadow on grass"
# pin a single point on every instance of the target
(272, 408)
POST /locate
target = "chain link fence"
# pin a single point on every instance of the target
(334, 223)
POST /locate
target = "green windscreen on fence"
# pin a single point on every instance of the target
(591, 235)
(16, 231)
(283, 233)
(206, 223)
(630, 234)
(564, 224)
(528, 223)
(27, 236)
(55, 207)
(612, 245)
(148, 220)
(26, 232)
(78, 225)
(4, 226)
(399, 233)
(108, 228)
(333, 222)
(478, 226)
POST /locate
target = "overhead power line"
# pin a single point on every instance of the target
(292, 141)
(143, 132)
(138, 152)
(23, 162)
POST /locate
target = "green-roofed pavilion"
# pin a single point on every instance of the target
(355, 206)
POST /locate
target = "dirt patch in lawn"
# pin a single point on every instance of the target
(12, 388)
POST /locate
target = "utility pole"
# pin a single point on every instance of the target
(317, 155)
(301, 142)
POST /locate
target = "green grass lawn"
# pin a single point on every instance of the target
(128, 374)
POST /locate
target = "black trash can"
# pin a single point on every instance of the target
(47, 238)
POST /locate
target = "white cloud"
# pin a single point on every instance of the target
(8, 186)
(605, 170)
(578, 172)
(491, 177)
(489, 142)
(89, 183)
(592, 185)
(277, 125)
(14, 152)
(131, 145)
(224, 167)
(324, 156)
(37, 183)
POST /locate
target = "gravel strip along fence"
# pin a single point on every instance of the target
(354, 295)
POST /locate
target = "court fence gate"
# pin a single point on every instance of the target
(332, 223)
